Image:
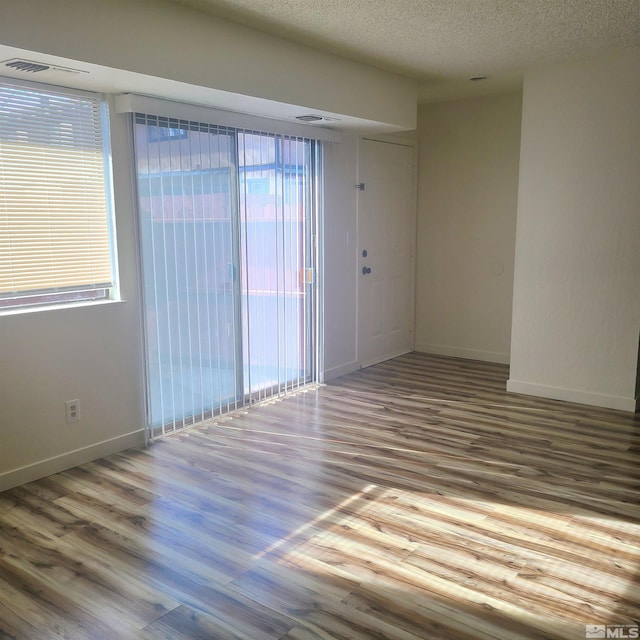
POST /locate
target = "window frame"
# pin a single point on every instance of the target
(76, 295)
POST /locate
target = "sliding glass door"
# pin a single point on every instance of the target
(277, 234)
(227, 238)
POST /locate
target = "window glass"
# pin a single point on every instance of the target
(56, 237)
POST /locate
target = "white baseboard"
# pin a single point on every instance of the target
(342, 370)
(573, 395)
(47, 467)
(457, 352)
(350, 367)
(384, 358)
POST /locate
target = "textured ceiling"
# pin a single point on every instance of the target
(442, 43)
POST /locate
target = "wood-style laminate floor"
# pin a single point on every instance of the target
(414, 499)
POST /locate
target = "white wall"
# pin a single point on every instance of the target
(90, 353)
(467, 200)
(94, 353)
(340, 257)
(576, 305)
(165, 40)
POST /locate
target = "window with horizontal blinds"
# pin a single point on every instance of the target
(55, 210)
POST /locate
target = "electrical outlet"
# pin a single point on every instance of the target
(73, 410)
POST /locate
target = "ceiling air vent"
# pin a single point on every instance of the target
(309, 118)
(30, 66)
(26, 66)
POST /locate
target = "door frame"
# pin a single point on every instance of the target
(413, 144)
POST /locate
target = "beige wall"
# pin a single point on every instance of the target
(467, 199)
(576, 305)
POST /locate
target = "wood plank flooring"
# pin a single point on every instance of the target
(411, 500)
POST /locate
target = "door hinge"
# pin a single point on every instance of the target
(360, 186)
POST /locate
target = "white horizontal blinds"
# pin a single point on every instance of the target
(186, 182)
(54, 210)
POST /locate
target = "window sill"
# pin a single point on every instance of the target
(58, 307)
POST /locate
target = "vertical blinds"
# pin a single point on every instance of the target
(228, 231)
(54, 209)
(277, 249)
(186, 186)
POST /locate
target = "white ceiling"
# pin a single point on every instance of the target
(442, 43)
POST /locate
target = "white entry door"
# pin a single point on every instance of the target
(386, 237)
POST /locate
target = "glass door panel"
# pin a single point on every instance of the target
(277, 282)
(186, 189)
(227, 247)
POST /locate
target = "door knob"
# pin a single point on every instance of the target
(366, 270)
